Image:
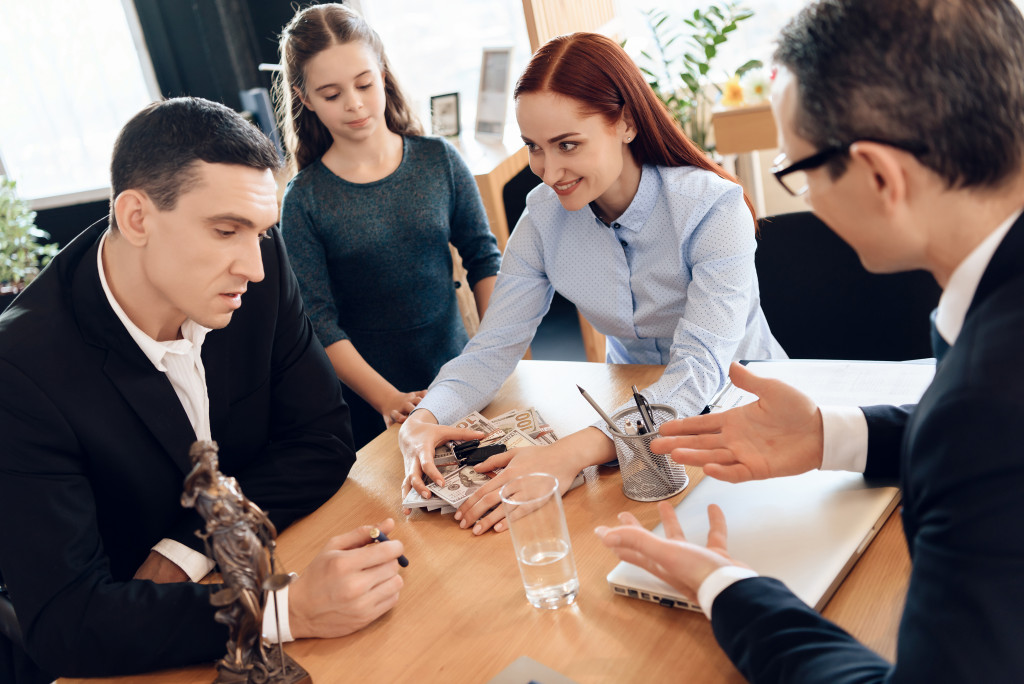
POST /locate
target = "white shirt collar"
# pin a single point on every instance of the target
(956, 297)
(192, 333)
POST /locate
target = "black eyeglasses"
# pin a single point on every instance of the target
(794, 176)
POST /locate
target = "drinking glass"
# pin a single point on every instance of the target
(540, 537)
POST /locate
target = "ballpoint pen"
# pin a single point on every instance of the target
(646, 416)
(600, 411)
(377, 536)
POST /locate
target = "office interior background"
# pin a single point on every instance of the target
(75, 72)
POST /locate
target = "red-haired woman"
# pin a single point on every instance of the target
(652, 241)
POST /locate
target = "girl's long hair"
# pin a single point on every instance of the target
(597, 73)
(310, 32)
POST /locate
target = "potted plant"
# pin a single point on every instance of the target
(21, 252)
(680, 70)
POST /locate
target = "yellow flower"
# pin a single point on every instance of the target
(732, 93)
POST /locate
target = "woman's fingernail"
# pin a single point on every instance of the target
(601, 531)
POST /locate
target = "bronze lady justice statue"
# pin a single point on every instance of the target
(241, 539)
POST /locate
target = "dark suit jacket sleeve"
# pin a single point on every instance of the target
(885, 439)
(297, 424)
(962, 619)
(73, 622)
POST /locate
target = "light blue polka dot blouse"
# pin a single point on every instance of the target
(672, 281)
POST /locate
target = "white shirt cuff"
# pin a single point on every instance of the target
(717, 582)
(194, 564)
(846, 438)
(270, 633)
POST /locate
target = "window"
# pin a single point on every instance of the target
(437, 47)
(754, 39)
(73, 74)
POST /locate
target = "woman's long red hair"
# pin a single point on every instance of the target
(596, 72)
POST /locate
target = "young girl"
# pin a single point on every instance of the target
(652, 241)
(368, 218)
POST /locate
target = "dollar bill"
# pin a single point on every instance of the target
(474, 421)
(460, 485)
(414, 500)
(516, 438)
(527, 421)
(515, 428)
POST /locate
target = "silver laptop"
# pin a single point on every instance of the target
(807, 531)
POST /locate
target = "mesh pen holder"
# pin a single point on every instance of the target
(646, 476)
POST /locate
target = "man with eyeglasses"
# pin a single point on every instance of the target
(902, 123)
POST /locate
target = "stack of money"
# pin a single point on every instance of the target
(516, 428)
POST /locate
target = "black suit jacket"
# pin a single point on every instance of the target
(95, 450)
(960, 457)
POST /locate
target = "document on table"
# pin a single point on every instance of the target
(838, 383)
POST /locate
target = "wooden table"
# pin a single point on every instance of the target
(463, 616)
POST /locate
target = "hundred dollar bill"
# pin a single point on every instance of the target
(460, 485)
(516, 438)
(414, 500)
(545, 433)
(515, 428)
(527, 421)
(474, 421)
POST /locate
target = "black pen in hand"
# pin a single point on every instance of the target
(377, 536)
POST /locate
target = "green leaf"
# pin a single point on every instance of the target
(704, 68)
(747, 66)
(710, 51)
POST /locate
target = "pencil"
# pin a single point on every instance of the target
(600, 411)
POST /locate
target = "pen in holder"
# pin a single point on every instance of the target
(646, 476)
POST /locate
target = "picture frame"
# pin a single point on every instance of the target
(444, 115)
(492, 100)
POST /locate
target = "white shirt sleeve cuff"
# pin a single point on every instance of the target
(846, 438)
(194, 564)
(717, 582)
(270, 633)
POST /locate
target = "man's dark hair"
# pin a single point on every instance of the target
(944, 74)
(157, 149)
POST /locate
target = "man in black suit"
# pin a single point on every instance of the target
(129, 346)
(906, 120)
